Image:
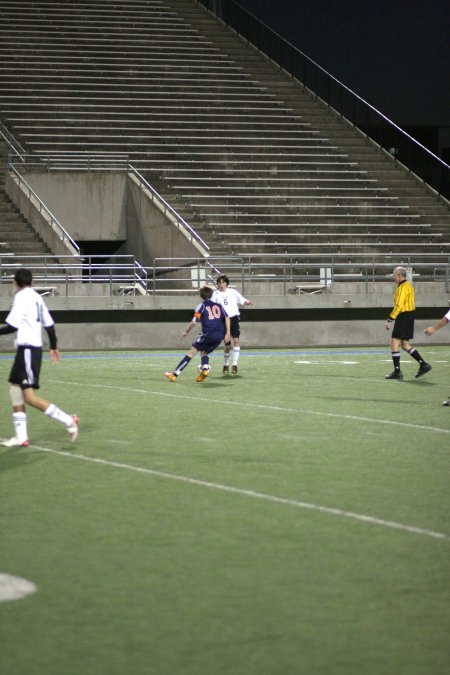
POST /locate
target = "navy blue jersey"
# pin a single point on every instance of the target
(212, 317)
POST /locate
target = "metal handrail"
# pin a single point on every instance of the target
(79, 161)
(412, 154)
(12, 143)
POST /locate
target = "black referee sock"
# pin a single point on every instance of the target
(415, 354)
(396, 360)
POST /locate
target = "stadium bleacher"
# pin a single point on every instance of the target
(248, 157)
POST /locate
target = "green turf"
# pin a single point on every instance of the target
(139, 573)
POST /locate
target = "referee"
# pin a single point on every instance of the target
(403, 331)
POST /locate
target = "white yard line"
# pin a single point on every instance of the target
(261, 406)
(251, 493)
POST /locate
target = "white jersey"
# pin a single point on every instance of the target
(29, 314)
(230, 299)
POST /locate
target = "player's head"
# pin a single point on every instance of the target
(23, 277)
(206, 292)
(222, 279)
(399, 273)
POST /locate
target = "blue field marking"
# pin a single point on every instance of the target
(251, 354)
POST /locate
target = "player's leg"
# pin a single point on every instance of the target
(17, 375)
(226, 357)
(210, 342)
(204, 369)
(395, 353)
(424, 367)
(19, 418)
(52, 411)
(235, 330)
(172, 376)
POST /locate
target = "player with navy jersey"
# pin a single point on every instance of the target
(27, 317)
(215, 325)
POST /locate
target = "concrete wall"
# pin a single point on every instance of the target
(89, 205)
(38, 218)
(156, 322)
(104, 206)
(152, 233)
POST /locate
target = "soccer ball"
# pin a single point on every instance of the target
(200, 368)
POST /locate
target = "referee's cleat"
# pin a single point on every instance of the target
(203, 375)
(225, 370)
(171, 376)
(14, 443)
(72, 428)
(446, 403)
(395, 375)
(424, 368)
(234, 370)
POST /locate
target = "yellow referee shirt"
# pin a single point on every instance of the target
(403, 299)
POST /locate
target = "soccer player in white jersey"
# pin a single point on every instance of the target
(230, 299)
(27, 316)
(432, 329)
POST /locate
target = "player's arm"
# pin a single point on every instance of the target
(227, 336)
(240, 298)
(399, 303)
(54, 351)
(189, 328)
(440, 324)
(195, 319)
(4, 330)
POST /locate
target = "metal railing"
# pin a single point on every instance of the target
(76, 161)
(65, 274)
(274, 274)
(282, 274)
(13, 144)
(405, 149)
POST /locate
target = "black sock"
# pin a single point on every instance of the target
(396, 360)
(415, 354)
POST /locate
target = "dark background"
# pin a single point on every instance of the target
(394, 54)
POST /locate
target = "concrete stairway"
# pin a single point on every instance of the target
(250, 158)
(17, 236)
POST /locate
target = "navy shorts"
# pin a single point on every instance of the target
(208, 342)
(26, 367)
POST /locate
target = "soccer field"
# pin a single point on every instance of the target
(290, 520)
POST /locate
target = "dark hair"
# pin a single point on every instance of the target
(224, 278)
(23, 277)
(206, 292)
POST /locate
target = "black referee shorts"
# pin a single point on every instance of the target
(404, 326)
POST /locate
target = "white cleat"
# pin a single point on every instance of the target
(72, 429)
(14, 443)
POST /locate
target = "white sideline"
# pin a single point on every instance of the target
(251, 493)
(356, 418)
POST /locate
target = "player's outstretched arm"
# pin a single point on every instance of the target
(432, 329)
